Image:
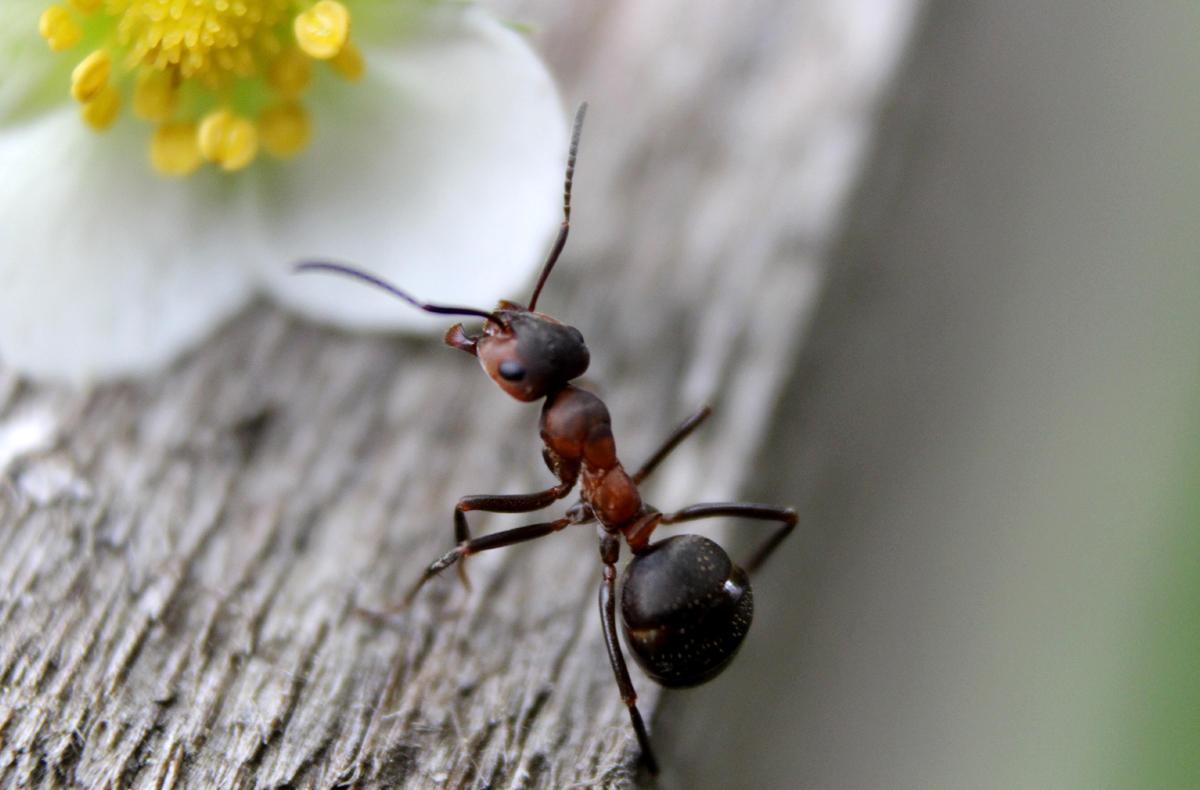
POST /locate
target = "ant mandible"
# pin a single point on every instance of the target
(685, 606)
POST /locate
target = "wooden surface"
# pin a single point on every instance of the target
(181, 558)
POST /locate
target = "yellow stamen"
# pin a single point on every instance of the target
(175, 149)
(59, 29)
(91, 76)
(284, 130)
(211, 135)
(321, 31)
(214, 42)
(174, 60)
(349, 62)
(101, 111)
(227, 140)
(155, 96)
(290, 73)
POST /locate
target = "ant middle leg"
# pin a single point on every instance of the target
(785, 515)
(610, 548)
(496, 540)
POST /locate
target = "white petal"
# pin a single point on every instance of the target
(441, 171)
(106, 268)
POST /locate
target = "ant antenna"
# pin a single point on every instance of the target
(337, 268)
(561, 241)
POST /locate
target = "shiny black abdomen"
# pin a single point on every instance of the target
(685, 608)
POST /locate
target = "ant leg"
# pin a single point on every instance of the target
(743, 510)
(500, 503)
(610, 548)
(496, 540)
(678, 435)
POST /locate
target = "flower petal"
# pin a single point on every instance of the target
(441, 171)
(105, 268)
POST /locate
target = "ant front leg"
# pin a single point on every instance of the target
(742, 510)
(492, 503)
(610, 549)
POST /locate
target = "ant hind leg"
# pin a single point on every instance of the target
(610, 548)
(785, 515)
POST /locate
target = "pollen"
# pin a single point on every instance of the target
(90, 76)
(175, 149)
(321, 31)
(101, 111)
(59, 29)
(284, 130)
(290, 73)
(349, 63)
(155, 96)
(227, 140)
(229, 74)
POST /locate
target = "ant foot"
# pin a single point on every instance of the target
(462, 570)
(385, 616)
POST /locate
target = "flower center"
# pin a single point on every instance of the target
(219, 79)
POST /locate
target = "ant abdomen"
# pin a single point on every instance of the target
(685, 607)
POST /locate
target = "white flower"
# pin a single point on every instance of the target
(428, 148)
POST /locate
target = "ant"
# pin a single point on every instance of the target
(685, 606)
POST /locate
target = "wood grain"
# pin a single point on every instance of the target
(181, 558)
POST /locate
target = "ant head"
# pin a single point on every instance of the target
(529, 355)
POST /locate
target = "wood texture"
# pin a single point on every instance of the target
(181, 558)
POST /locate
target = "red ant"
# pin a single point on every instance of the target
(685, 606)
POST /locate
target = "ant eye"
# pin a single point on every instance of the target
(511, 370)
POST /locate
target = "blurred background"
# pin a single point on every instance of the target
(993, 435)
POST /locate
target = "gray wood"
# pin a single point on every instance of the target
(181, 557)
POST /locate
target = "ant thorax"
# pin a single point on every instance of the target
(576, 427)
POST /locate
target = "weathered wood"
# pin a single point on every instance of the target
(181, 558)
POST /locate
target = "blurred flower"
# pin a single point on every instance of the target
(164, 160)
